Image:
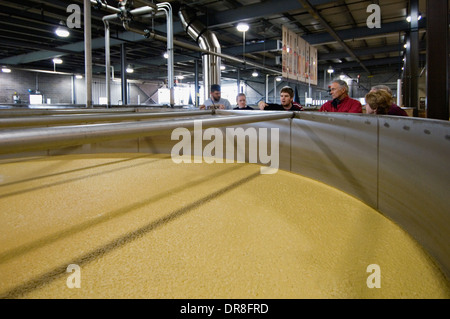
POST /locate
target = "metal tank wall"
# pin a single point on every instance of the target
(397, 165)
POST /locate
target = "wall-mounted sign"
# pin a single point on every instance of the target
(299, 58)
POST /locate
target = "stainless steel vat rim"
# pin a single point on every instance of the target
(28, 112)
(43, 138)
(74, 119)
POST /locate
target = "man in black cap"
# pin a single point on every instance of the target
(215, 101)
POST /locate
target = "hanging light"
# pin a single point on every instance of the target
(55, 62)
(6, 69)
(166, 55)
(255, 74)
(129, 69)
(242, 27)
(62, 31)
(278, 79)
(330, 70)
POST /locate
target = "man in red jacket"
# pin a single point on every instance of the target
(341, 101)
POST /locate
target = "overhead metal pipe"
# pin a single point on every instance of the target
(207, 41)
(222, 55)
(167, 8)
(170, 41)
(88, 52)
(35, 139)
(105, 6)
(123, 73)
(108, 56)
(197, 86)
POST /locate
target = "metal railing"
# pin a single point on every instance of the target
(43, 138)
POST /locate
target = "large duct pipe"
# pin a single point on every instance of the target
(206, 40)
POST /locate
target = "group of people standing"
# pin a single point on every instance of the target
(378, 101)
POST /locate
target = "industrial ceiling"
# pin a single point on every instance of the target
(338, 29)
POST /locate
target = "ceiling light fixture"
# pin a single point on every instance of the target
(255, 74)
(242, 27)
(6, 69)
(55, 62)
(62, 31)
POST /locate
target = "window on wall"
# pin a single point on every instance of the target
(183, 95)
(229, 92)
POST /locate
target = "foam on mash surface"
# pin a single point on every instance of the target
(141, 226)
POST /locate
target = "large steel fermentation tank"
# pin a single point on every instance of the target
(396, 166)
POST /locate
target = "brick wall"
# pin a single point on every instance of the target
(56, 87)
(63, 89)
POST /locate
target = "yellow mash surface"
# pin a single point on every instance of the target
(141, 226)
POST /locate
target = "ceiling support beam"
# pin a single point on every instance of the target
(437, 104)
(316, 15)
(88, 53)
(411, 78)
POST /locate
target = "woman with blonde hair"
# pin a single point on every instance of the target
(381, 102)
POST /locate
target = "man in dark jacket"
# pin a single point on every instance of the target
(286, 99)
